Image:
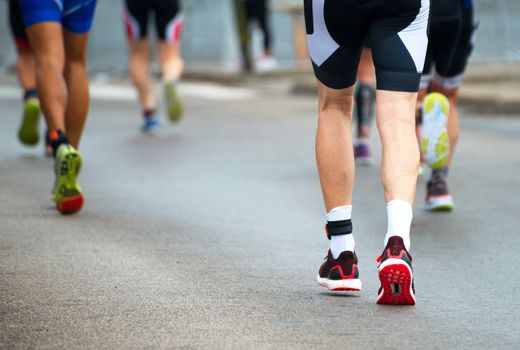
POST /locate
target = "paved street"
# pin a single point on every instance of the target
(209, 235)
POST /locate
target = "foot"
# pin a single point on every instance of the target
(438, 197)
(265, 64)
(66, 193)
(362, 153)
(340, 274)
(174, 102)
(434, 133)
(28, 133)
(396, 274)
(150, 124)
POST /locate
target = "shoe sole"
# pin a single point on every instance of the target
(396, 279)
(440, 203)
(434, 133)
(175, 105)
(70, 166)
(349, 285)
(28, 132)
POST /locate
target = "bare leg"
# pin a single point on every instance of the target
(25, 69)
(334, 152)
(170, 59)
(366, 74)
(47, 46)
(76, 77)
(139, 65)
(396, 124)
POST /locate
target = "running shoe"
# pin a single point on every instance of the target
(435, 146)
(396, 274)
(28, 133)
(265, 64)
(362, 153)
(66, 193)
(438, 197)
(340, 274)
(150, 124)
(173, 101)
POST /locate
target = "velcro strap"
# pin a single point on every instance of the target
(338, 228)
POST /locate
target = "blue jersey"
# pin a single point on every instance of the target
(76, 16)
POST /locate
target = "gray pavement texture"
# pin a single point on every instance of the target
(210, 233)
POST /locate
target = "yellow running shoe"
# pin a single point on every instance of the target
(174, 103)
(66, 193)
(435, 146)
(28, 132)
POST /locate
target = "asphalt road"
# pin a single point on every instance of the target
(210, 233)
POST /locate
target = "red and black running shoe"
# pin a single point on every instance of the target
(340, 274)
(396, 274)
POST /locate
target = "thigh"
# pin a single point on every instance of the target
(399, 42)
(47, 43)
(336, 30)
(136, 18)
(168, 20)
(78, 15)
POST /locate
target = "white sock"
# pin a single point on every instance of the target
(399, 221)
(339, 244)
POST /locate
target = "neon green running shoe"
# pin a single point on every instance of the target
(66, 193)
(435, 146)
(173, 101)
(28, 133)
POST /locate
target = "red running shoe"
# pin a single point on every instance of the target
(340, 274)
(396, 274)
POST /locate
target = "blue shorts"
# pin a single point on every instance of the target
(76, 16)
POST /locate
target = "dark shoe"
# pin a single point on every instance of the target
(396, 274)
(340, 274)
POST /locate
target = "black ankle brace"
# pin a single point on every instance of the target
(338, 228)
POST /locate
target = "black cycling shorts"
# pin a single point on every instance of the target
(17, 27)
(451, 42)
(397, 29)
(167, 15)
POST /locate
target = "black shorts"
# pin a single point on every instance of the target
(397, 29)
(167, 15)
(451, 42)
(17, 27)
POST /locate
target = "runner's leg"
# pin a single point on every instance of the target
(47, 45)
(139, 51)
(76, 78)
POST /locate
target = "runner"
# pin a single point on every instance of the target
(168, 24)
(397, 31)
(451, 42)
(28, 134)
(365, 97)
(58, 33)
(258, 11)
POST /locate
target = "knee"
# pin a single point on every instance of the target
(335, 100)
(48, 63)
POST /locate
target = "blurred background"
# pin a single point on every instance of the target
(211, 41)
